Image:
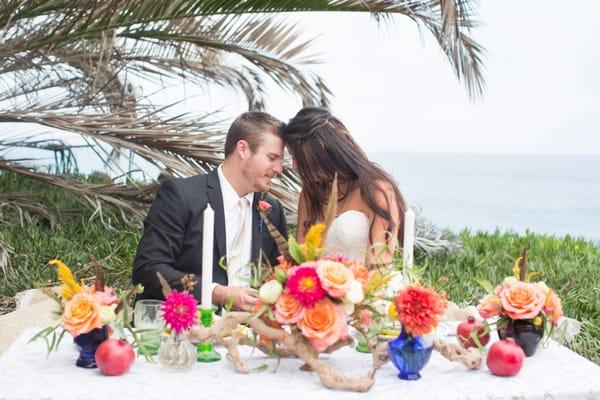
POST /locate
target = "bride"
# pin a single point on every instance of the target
(370, 208)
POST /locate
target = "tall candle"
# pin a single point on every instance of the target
(208, 229)
(409, 239)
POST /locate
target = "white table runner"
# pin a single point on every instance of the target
(553, 373)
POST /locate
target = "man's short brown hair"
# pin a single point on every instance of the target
(249, 127)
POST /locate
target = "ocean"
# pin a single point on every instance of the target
(548, 194)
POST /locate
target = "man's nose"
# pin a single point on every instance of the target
(278, 167)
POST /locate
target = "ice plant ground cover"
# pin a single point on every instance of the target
(567, 264)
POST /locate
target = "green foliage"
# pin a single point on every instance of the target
(74, 240)
(569, 265)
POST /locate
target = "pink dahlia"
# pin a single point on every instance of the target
(305, 286)
(179, 311)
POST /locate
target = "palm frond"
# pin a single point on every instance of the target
(74, 66)
(130, 200)
(25, 206)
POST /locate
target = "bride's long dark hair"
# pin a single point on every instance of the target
(322, 146)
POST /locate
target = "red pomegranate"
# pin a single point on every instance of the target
(464, 329)
(505, 358)
(114, 357)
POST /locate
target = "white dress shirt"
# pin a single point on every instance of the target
(238, 275)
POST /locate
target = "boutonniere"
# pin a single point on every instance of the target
(263, 208)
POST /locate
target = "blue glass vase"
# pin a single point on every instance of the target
(409, 355)
(87, 344)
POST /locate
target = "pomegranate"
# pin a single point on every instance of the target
(464, 329)
(505, 358)
(114, 357)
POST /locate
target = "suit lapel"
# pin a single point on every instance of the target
(216, 202)
(257, 229)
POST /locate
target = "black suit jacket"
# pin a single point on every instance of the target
(172, 239)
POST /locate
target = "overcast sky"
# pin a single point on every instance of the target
(396, 91)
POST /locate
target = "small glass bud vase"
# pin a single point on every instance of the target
(176, 352)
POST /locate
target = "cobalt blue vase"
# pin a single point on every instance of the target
(87, 344)
(409, 355)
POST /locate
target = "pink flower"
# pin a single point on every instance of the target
(263, 206)
(304, 284)
(335, 277)
(105, 297)
(553, 307)
(179, 311)
(366, 317)
(339, 257)
(489, 306)
(521, 300)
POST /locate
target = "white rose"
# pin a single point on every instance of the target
(349, 308)
(270, 291)
(509, 280)
(355, 294)
(107, 314)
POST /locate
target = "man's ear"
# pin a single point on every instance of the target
(242, 149)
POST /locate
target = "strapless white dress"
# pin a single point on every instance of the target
(349, 235)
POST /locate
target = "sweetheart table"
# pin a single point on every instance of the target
(554, 372)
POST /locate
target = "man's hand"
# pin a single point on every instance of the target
(242, 298)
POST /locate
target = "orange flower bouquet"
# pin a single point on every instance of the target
(525, 310)
(313, 293)
(85, 312)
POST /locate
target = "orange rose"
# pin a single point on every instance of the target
(489, 306)
(553, 307)
(288, 310)
(81, 314)
(361, 273)
(522, 300)
(324, 324)
(335, 277)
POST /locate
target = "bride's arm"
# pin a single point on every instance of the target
(302, 215)
(384, 243)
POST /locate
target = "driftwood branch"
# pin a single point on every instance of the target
(294, 344)
(470, 358)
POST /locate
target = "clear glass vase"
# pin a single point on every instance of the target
(176, 352)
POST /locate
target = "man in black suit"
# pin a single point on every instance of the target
(172, 239)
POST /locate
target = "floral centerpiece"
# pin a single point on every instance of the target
(313, 293)
(85, 312)
(307, 302)
(418, 309)
(526, 310)
(180, 312)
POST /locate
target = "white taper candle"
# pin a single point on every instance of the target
(208, 229)
(409, 239)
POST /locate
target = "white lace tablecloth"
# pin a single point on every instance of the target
(25, 373)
